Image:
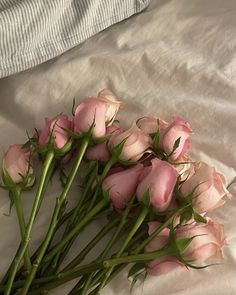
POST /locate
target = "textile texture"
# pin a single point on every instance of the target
(34, 31)
(177, 57)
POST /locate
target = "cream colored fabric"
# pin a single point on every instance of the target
(176, 58)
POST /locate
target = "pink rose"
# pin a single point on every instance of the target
(112, 102)
(135, 144)
(208, 243)
(16, 162)
(100, 151)
(99, 110)
(122, 185)
(159, 180)
(210, 188)
(179, 128)
(165, 264)
(54, 126)
(150, 124)
(185, 168)
(91, 110)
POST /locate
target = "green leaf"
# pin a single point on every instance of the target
(72, 134)
(175, 146)
(106, 195)
(6, 178)
(146, 199)
(188, 264)
(65, 150)
(117, 150)
(11, 204)
(100, 139)
(182, 244)
(186, 216)
(198, 218)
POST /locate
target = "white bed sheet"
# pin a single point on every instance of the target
(176, 58)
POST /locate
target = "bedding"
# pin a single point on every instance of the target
(177, 57)
(34, 31)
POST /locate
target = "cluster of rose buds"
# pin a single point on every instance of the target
(145, 172)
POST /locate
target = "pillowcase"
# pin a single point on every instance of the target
(34, 31)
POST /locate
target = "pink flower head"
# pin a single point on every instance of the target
(136, 142)
(159, 180)
(165, 264)
(208, 243)
(100, 111)
(185, 168)
(16, 162)
(210, 188)
(112, 102)
(179, 128)
(150, 125)
(55, 127)
(122, 185)
(91, 110)
(100, 151)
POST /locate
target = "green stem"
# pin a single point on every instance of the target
(48, 178)
(78, 259)
(16, 191)
(69, 274)
(106, 169)
(62, 278)
(143, 244)
(60, 256)
(136, 226)
(74, 219)
(25, 241)
(88, 217)
(138, 257)
(110, 244)
(138, 238)
(158, 230)
(60, 201)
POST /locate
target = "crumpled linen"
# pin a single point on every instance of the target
(176, 58)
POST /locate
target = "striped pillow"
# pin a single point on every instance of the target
(34, 31)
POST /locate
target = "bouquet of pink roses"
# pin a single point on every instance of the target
(142, 180)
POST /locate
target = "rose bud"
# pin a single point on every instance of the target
(208, 188)
(151, 125)
(100, 151)
(165, 264)
(16, 165)
(135, 143)
(122, 185)
(159, 180)
(100, 111)
(179, 128)
(208, 241)
(55, 127)
(113, 104)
